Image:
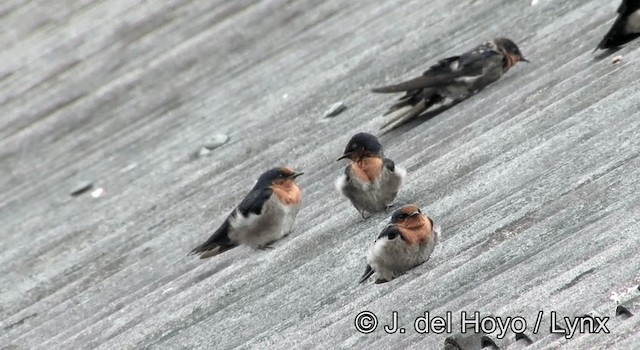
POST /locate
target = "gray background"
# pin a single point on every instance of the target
(535, 180)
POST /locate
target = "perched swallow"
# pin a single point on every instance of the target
(264, 216)
(453, 79)
(405, 243)
(371, 182)
(625, 28)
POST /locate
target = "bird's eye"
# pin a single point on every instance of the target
(392, 235)
(402, 216)
(354, 146)
(281, 175)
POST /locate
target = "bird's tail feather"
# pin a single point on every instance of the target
(398, 105)
(402, 118)
(219, 242)
(367, 273)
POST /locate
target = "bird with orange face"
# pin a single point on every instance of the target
(371, 181)
(406, 242)
(264, 216)
(452, 80)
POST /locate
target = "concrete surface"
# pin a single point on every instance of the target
(535, 180)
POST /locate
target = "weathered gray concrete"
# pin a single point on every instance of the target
(535, 180)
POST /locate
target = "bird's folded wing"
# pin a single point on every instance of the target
(413, 84)
(218, 242)
(254, 201)
(445, 72)
(389, 231)
(628, 7)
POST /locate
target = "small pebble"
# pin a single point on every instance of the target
(335, 109)
(81, 188)
(97, 193)
(216, 141)
(202, 152)
(616, 60)
(129, 167)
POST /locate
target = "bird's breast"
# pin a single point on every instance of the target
(368, 169)
(416, 236)
(288, 193)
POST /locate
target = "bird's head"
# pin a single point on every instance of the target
(362, 145)
(282, 175)
(510, 51)
(410, 217)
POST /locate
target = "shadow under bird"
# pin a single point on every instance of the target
(452, 80)
(405, 243)
(371, 182)
(264, 216)
(625, 28)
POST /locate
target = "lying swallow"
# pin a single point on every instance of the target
(405, 243)
(453, 79)
(264, 216)
(371, 182)
(625, 28)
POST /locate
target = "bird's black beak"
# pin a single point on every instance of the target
(522, 59)
(295, 175)
(346, 155)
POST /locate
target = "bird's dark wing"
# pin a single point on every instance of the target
(216, 244)
(254, 201)
(368, 272)
(437, 73)
(390, 231)
(446, 71)
(628, 7)
(389, 164)
(474, 62)
(617, 36)
(219, 240)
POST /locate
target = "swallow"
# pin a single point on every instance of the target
(264, 216)
(371, 182)
(452, 79)
(406, 242)
(625, 28)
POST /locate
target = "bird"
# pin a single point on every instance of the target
(452, 80)
(265, 215)
(406, 242)
(371, 181)
(625, 28)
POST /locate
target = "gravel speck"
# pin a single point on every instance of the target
(216, 141)
(335, 109)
